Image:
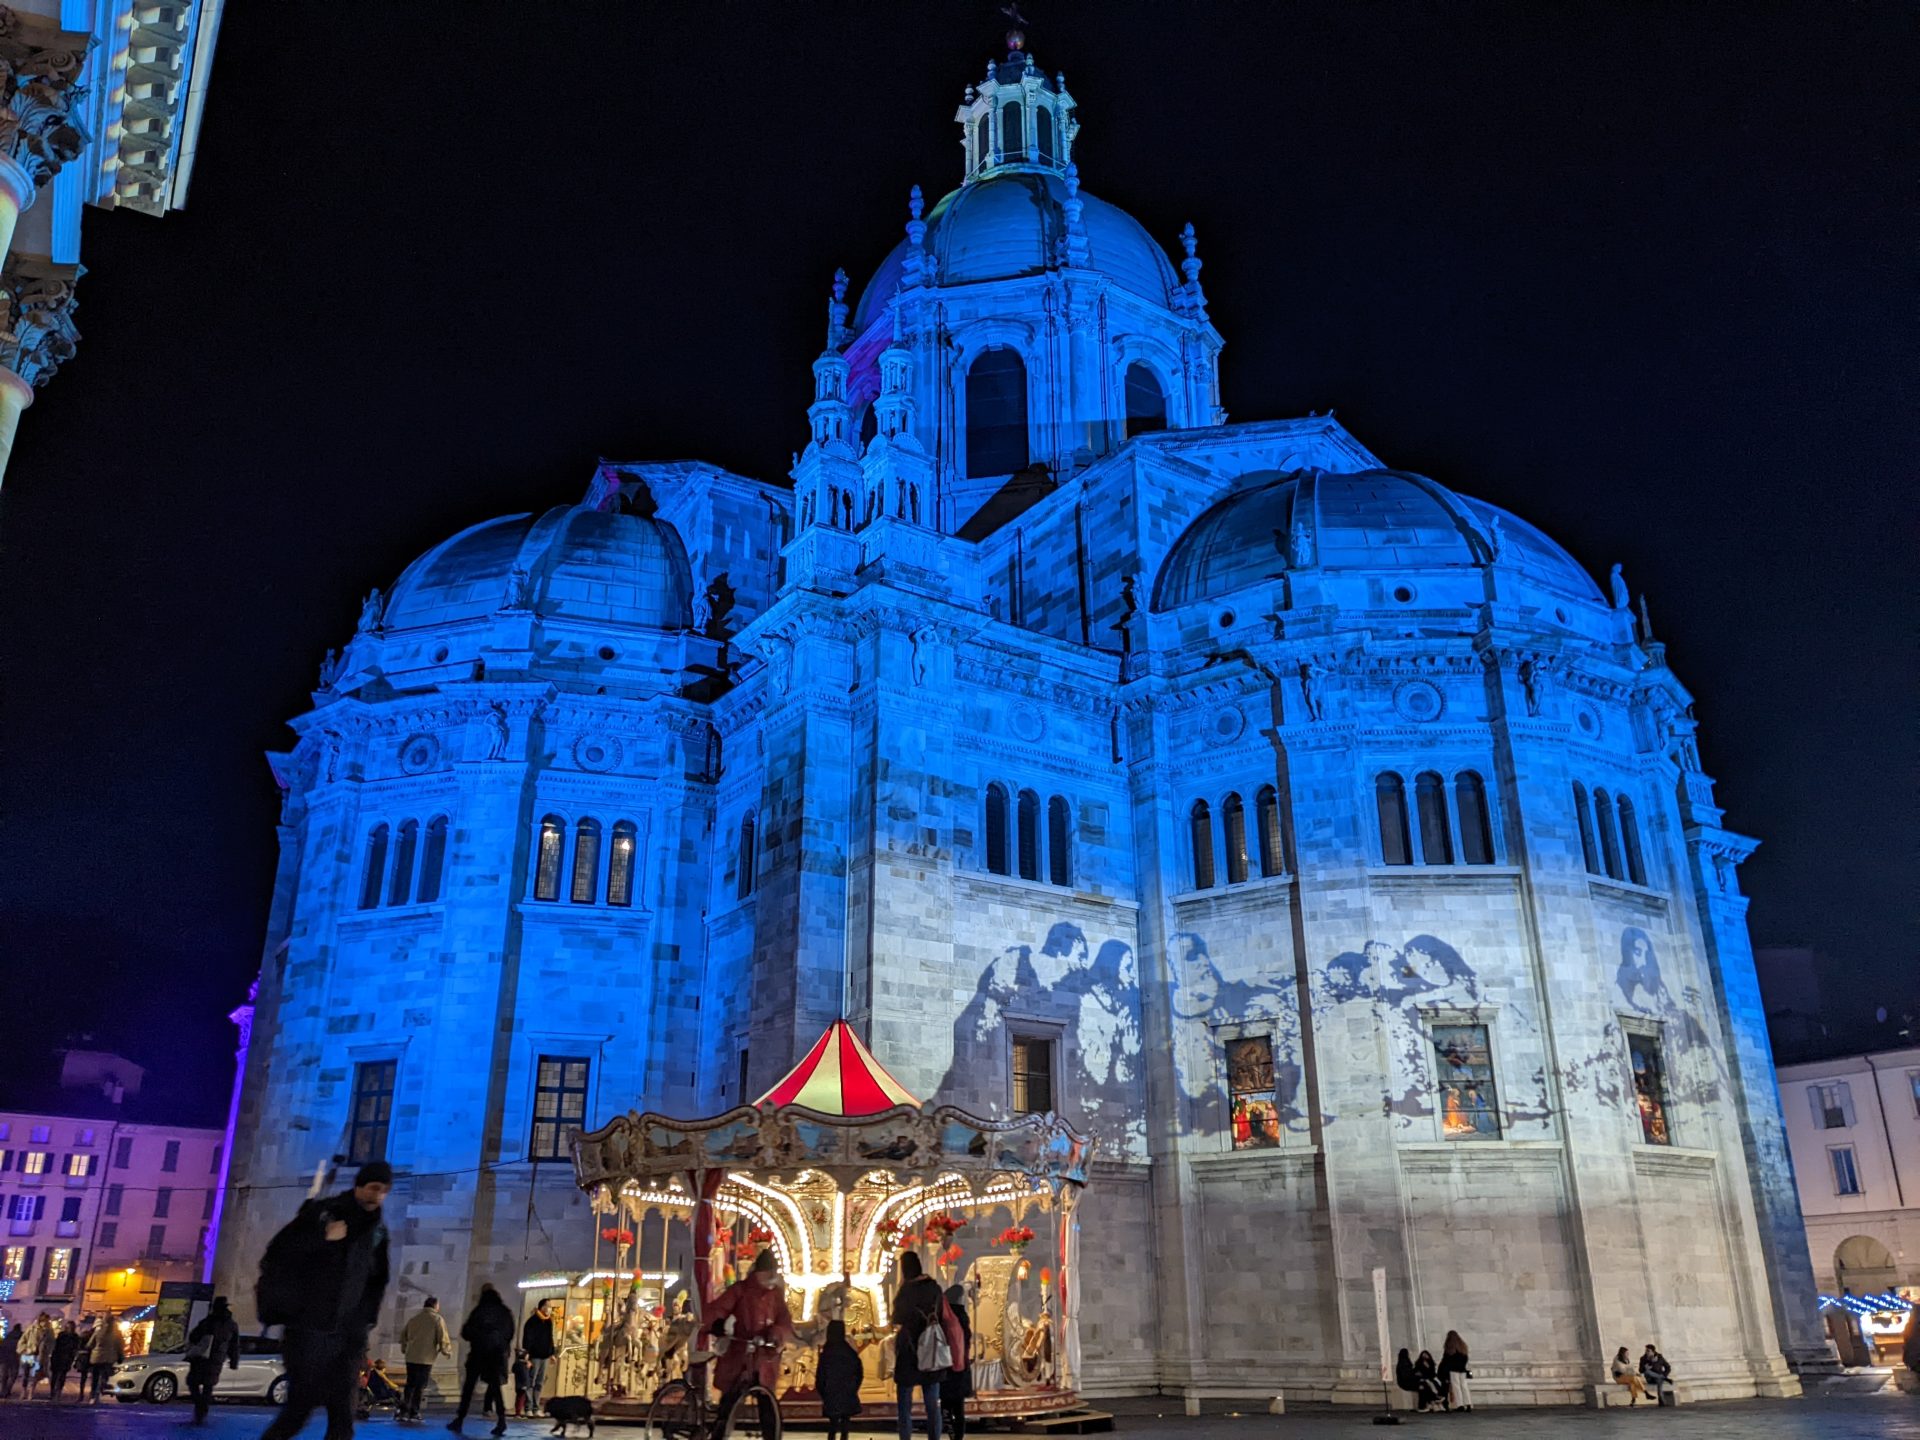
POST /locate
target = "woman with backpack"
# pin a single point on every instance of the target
(489, 1333)
(927, 1345)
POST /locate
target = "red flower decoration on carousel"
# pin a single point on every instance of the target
(614, 1235)
(759, 1236)
(1015, 1237)
(950, 1255)
(941, 1228)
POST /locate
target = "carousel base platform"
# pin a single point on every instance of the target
(1038, 1412)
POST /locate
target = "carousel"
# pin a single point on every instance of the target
(838, 1170)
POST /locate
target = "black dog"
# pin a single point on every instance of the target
(570, 1410)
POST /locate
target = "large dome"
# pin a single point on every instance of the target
(579, 563)
(1011, 224)
(1388, 521)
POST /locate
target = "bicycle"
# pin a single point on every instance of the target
(680, 1409)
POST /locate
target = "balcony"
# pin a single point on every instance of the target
(67, 1229)
(21, 1227)
(78, 1182)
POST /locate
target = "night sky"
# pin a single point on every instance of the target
(1642, 273)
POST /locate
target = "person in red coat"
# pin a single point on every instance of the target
(757, 1306)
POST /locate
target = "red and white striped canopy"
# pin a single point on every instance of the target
(839, 1077)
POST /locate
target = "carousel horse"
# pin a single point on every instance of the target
(623, 1349)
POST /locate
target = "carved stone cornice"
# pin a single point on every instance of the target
(39, 78)
(973, 668)
(39, 332)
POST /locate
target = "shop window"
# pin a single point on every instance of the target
(170, 1157)
(433, 860)
(1390, 799)
(1032, 1075)
(1266, 814)
(1469, 1104)
(1200, 828)
(1589, 853)
(996, 413)
(1146, 401)
(374, 872)
(997, 829)
(746, 859)
(1609, 835)
(1255, 1116)
(620, 863)
(1059, 842)
(586, 862)
(559, 1106)
(1630, 842)
(400, 887)
(1233, 830)
(1029, 811)
(1650, 1088)
(546, 871)
(1846, 1175)
(122, 1153)
(1832, 1105)
(372, 1110)
(162, 1203)
(1476, 828)
(1430, 801)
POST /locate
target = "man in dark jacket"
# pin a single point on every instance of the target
(66, 1345)
(338, 1248)
(215, 1339)
(489, 1336)
(536, 1338)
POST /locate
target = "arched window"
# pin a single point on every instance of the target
(996, 413)
(1390, 797)
(1266, 816)
(586, 862)
(1630, 842)
(433, 860)
(400, 880)
(1029, 835)
(869, 426)
(546, 868)
(997, 828)
(1436, 835)
(620, 864)
(1012, 133)
(1476, 828)
(1200, 828)
(1609, 835)
(375, 873)
(1043, 131)
(983, 142)
(748, 854)
(1059, 840)
(1146, 402)
(1588, 852)
(1233, 829)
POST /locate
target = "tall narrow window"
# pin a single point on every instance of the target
(983, 141)
(1436, 837)
(586, 862)
(1832, 1105)
(1609, 836)
(1233, 830)
(546, 870)
(400, 885)
(433, 860)
(1846, 1175)
(620, 864)
(374, 874)
(996, 413)
(1032, 1075)
(170, 1157)
(746, 859)
(559, 1106)
(1469, 1108)
(1012, 132)
(115, 1195)
(1146, 401)
(1476, 828)
(1059, 842)
(1200, 829)
(1589, 852)
(372, 1111)
(162, 1202)
(1630, 842)
(1043, 131)
(1253, 1114)
(1029, 835)
(997, 828)
(1266, 815)
(1390, 798)
(1649, 1088)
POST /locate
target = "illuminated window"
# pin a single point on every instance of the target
(372, 1110)
(170, 1161)
(1589, 852)
(1255, 1117)
(1649, 1088)
(375, 869)
(59, 1276)
(559, 1106)
(1476, 826)
(1390, 800)
(400, 881)
(1846, 1175)
(620, 864)
(1832, 1105)
(1266, 813)
(746, 858)
(162, 1203)
(1146, 402)
(433, 860)
(1469, 1108)
(80, 1165)
(1059, 841)
(586, 861)
(1609, 835)
(1430, 801)
(996, 413)
(1029, 810)
(41, 1134)
(35, 1162)
(546, 872)
(13, 1262)
(1200, 832)
(997, 829)
(1233, 828)
(84, 1137)
(1032, 1075)
(1630, 842)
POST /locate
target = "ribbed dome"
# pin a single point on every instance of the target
(580, 563)
(1011, 224)
(1384, 520)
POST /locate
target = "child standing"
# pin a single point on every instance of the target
(838, 1380)
(522, 1381)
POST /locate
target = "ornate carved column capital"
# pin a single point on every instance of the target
(39, 333)
(39, 89)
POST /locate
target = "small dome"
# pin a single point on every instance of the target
(604, 566)
(1385, 520)
(1011, 224)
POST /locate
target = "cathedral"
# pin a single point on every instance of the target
(1324, 842)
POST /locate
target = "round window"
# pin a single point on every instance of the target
(439, 654)
(1403, 593)
(1226, 619)
(606, 652)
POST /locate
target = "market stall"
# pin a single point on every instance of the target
(838, 1169)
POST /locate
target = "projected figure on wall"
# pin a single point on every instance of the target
(1399, 982)
(1202, 1001)
(1695, 1070)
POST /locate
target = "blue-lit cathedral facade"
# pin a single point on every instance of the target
(1325, 841)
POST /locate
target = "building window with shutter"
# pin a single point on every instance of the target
(1832, 1105)
(559, 1106)
(1255, 1116)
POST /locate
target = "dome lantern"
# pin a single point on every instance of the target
(1017, 118)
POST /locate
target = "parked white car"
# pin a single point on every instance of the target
(159, 1378)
